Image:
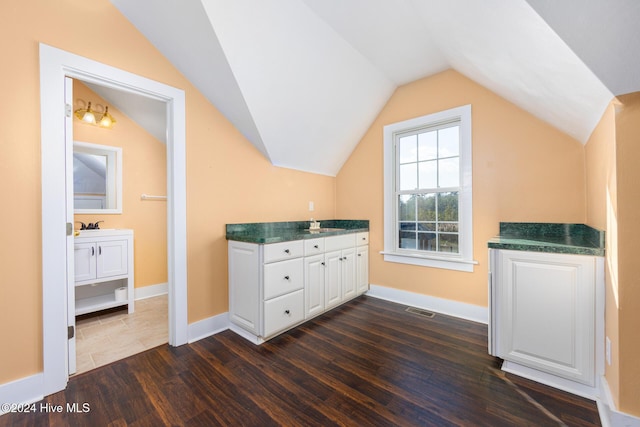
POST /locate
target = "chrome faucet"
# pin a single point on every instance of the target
(90, 225)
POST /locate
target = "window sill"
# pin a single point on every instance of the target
(430, 261)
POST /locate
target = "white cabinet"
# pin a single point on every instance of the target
(103, 266)
(265, 287)
(314, 285)
(245, 285)
(341, 276)
(99, 260)
(341, 269)
(362, 269)
(274, 287)
(544, 315)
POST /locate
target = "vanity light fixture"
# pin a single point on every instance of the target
(107, 119)
(87, 115)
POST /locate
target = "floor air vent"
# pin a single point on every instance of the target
(420, 312)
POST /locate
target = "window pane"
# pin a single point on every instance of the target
(428, 145)
(409, 176)
(426, 226)
(427, 241)
(407, 226)
(426, 207)
(448, 243)
(428, 177)
(408, 149)
(449, 142)
(407, 207)
(448, 172)
(448, 227)
(407, 240)
(448, 206)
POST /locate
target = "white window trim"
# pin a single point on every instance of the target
(464, 261)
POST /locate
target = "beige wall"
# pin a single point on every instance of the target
(523, 170)
(602, 211)
(144, 164)
(227, 179)
(612, 154)
(628, 241)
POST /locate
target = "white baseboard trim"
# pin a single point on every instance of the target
(246, 334)
(151, 291)
(440, 305)
(609, 415)
(207, 327)
(22, 391)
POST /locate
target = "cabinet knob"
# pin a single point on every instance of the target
(316, 246)
(286, 251)
(93, 250)
(286, 277)
(322, 263)
(287, 312)
(359, 254)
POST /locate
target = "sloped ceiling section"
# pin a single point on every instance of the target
(304, 79)
(148, 113)
(603, 33)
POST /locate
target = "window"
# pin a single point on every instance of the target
(428, 217)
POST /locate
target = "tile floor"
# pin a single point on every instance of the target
(111, 335)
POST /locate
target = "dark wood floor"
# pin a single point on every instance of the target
(367, 363)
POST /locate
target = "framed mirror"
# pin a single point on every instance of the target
(97, 179)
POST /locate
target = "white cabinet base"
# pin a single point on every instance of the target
(547, 318)
(99, 297)
(276, 287)
(554, 381)
(103, 263)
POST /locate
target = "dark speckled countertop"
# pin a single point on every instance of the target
(576, 239)
(273, 232)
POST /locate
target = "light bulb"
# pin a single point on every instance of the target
(106, 121)
(88, 116)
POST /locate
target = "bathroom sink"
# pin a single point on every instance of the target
(100, 232)
(324, 230)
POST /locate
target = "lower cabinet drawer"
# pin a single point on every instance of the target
(283, 277)
(283, 312)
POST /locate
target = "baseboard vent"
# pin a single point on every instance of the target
(420, 312)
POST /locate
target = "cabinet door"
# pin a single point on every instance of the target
(333, 278)
(85, 261)
(112, 258)
(314, 269)
(362, 269)
(546, 313)
(348, 273)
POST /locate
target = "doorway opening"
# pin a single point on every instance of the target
(113, 168)
(57, 215)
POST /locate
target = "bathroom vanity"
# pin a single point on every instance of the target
(103, 270)
(546, 303)
(282, 274)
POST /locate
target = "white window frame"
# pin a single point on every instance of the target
(463, 261)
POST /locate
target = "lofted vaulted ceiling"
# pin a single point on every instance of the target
(304, 79)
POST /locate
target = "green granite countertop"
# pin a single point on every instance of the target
(576, 239)
(273, 232)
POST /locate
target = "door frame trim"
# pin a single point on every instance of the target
(55, 64)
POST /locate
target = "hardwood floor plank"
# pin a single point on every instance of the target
(366, 363)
